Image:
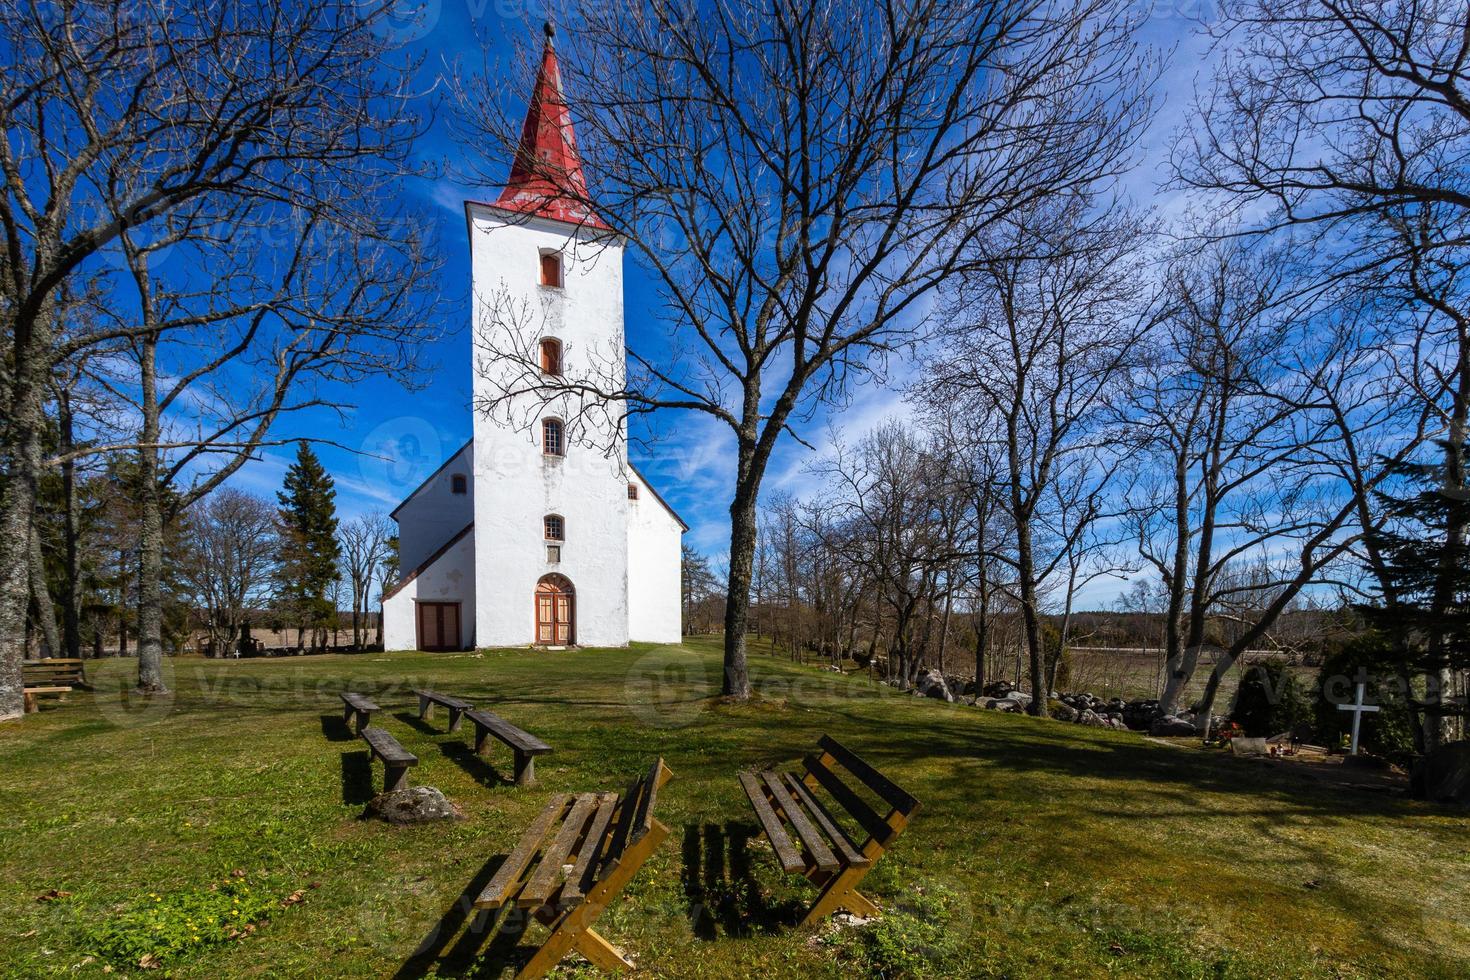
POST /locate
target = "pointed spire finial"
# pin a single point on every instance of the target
(546, 172)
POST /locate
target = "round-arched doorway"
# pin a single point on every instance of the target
(556, 610)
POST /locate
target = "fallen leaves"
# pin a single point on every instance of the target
(295, 898)
(150, 961)
(52, 895)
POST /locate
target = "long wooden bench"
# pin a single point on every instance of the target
(823, 850)
(457, 708)
(590, 846)
(395, 758)
(359, 707)
(523, 744)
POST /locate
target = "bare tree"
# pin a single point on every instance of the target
(798, 178)
(1347, 123)
(364, 549)
(1049, 328)
(125, 125)
(228, 571)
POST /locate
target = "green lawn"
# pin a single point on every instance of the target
(1042, 849)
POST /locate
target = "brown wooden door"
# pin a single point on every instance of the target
(438, 625)
(555, 612)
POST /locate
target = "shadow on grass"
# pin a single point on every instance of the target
(335, 729)
(412, 720)
(357, 778)
(479, 769)
(457, 942)
(722, 893)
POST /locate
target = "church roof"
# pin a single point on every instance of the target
(546, 177)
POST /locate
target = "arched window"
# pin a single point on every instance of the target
(552, 443)
(550, 269)
(632, 491)
(551, 356)
(458, 484)
(555, 527)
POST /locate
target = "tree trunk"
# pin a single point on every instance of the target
(150, 534)
(71, 598)
(22, 450)
(1031, 618)
(736, 682)
(41, 596)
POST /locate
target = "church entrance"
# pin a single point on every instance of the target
(438, 626)
(555, 612)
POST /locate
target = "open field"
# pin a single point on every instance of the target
(1042, 849)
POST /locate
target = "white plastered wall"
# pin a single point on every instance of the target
(655, 613)
(449, 578)
(516, 484)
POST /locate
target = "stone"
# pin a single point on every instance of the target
(1168, 726)
(931, 684)
(1243, 746)
(416, 804)
(1062, 711)
(1443, 775)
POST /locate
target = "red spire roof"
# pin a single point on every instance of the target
(546, 176)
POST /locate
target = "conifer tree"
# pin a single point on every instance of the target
(308, 567)
(1426, 557)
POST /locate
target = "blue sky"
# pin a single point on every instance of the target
(693, 466)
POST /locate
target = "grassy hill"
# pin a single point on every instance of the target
(154, 831)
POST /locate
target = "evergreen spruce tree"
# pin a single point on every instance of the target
(1424, 553)
(308, 514)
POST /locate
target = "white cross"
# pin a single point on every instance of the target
(1357, 708)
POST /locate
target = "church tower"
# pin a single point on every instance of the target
(539, 531)
(552, 485)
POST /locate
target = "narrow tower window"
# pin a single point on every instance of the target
(551, 356)
(554, 527)
(550, 269)
(551, 438)
(632, 491)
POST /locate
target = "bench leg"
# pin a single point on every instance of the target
(31, 707)
(347, 714)
(364, 719)
(525, 770)
(425, 708)
(576, 924)
(480, 735)
(840, 892)
(455, 717)
(395, 778)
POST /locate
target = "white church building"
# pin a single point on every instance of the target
(537, 531)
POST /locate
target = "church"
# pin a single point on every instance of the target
(538, 532)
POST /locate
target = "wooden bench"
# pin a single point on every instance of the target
(360, 707)
(525, 745)
(590, 846)
(826, 854)
(395, 758)
(55, 672)
(29, 695)
(457, 708)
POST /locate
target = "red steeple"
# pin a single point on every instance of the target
(546, 176)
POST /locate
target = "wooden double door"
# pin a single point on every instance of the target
(438, 625)
(555, 612)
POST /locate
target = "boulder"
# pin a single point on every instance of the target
(1444, 774)
(1170, 726)
(1248, 746)
(931, 684)
(1019, 697)
(1062, 711)
(416, 804)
